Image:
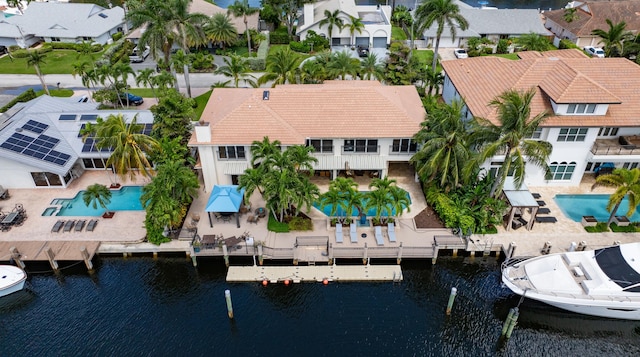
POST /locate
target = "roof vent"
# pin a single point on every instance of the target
(265, 95)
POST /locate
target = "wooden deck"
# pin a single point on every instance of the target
(297, 274)
(35, 250)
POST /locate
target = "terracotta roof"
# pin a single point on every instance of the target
(597, 14)
(335, 109)
(557, 74)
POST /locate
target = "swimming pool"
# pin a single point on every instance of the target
(340, 212)
(125, 199)
(576, 206)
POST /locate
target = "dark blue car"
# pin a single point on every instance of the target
(131, 99)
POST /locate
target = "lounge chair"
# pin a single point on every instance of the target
(541, 203)
(339, 234)
(56, 227)
(69, 226)
(544, 211)
(80, 225)
(546, 219)
(252, 219)
(4, 193)
(378, 235)
(536, 195)
(92, 225)
(353, 233)
(391, 232)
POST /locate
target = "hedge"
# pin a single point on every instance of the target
(259, 63)
(299, 47)
(116, 36)
(106, 58)
(23, 97)
(280, 37)
(566, 44)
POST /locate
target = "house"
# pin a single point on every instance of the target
(376, 18)
(61, 22)
(41, 145)
(589, 16)
(492, 23)
(594, 107)
(359, 126)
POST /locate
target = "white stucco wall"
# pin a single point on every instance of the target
(14, 174)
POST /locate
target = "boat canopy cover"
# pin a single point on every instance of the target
(613, 263)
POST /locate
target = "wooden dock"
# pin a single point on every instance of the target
(36, 250)
(314, 273)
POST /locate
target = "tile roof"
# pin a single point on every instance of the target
(335, 109)
(593, 15)
(558, 74)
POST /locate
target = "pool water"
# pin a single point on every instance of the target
(49, 211)
(125, 199)
(576, 206)
(340, 212)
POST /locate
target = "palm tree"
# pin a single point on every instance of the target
(299, 156)
(342, 64)
(370, 68)
(242, 8)
(571, 15)
(129, 145)
(511, 137)
(35, 59)
(440, 12)
(627, 184)
(355, 24)
(220, 30)
(444, 148)
(251, 180)
(180, 59)
(332, 19)
(97, 195)
(262, 150)
(281, 66)
(236, 67)
(145, 77)
(343, 196)
(81, 68)
(164, 80)
(614, 38)
(434, 79)
(533, 42)
(385, 196)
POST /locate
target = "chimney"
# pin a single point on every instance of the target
(308, 14)
(203, 133)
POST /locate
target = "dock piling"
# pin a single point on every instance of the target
(435, 254)
(225, 254)
(399, 259)
(582, 246)
(85, 257)
(260, 257)
(364, 257)
(52, 260)
(15, 255)
(227, 297)
(452, 297)
(510, 322)
(546, 249)
(511, 250)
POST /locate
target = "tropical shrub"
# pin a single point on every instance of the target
(23, 97)
(299, 47)
(300, 224)
(259, 63)
(279, 37)
(566, 44)
(319, 43)
(632, 228)
(488, 50)
(111, 51)
(598, 228)
(116, 36)
(503, 46)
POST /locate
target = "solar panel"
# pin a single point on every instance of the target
(104, 16)
(35, 126)
(39, 148)
(89, 117)
(67, 117)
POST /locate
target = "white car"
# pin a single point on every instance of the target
(594, 51)
(460, 53)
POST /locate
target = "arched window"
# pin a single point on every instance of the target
(562, 171)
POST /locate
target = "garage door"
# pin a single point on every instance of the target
(364, 41)
(380, 42)
(446, 42)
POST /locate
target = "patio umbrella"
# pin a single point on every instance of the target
(225, 199)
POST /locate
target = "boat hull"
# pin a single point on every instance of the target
(12, 279)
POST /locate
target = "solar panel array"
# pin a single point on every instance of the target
(67, 117)
(39, 148)
(35, 126)
(90, 141)
(89, 117)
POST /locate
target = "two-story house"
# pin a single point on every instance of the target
(359, 126)
(594, 106)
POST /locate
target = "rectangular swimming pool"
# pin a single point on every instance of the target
(126, 198)
(326, 209)
(576, 206)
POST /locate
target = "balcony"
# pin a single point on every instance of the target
(360, 150)
(624, 145)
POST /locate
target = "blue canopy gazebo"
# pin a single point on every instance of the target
(225, 199)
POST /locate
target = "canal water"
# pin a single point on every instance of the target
(146, 307)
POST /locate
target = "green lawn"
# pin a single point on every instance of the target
(398, 34)
(56, 62)
(425, 56)
(275, 48)
(142, 92)
(64, 93)
(201, 101)
(511, 56)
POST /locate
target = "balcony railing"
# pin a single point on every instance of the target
(360, 150)
(612, 147)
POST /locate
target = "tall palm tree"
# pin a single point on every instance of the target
(571, 14)
(440, 12)
(237, 68)
(220, 30)
(444, 148)
(251, 180)
(145, 77)
(281, 67)
(510, 137)
(370, 68)
(242, 8)
(342, 64)
(533, 42)
(301, 158)
(164, 80)
(614, 38)
(97, 195)
(434, 79)
(35, 59)
(262, 150)
(355, 24)
(82, 69)
(386, 197)
(180, 59)
(129, 145)
(332, 19)
(627, 184)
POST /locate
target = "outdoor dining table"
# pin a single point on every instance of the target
(10, 218)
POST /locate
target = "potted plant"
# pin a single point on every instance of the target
(98, 194)
(196, 246)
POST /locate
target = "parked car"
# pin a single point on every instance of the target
(136, 56)
(131, 99)
(460, 53)
(3, 50)
(594, 51)
(363, 51)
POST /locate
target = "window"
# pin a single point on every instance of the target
(320, 145)
(55, 39)
(231, 152)
(361, 145)
(86, 38)
(572, 134)
(562, 171)
(606, 131)
(404, 145)
(630, 165)
(536, 134)
(46, 179)
(94, 163)
(581, 109)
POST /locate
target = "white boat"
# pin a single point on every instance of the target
(11, 279)
(603, 282)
